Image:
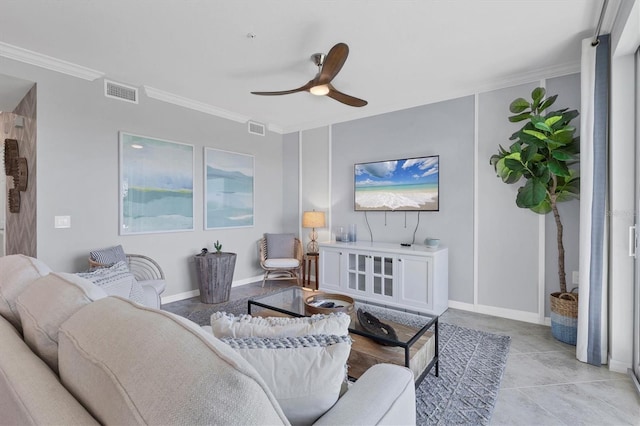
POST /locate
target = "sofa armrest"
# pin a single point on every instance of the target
(384, 395)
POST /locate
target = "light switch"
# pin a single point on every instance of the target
(575, 279)
(62, 222)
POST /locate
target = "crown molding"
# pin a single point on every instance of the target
(531, 76)
(171, 98)
(48, 62)
(275, 128)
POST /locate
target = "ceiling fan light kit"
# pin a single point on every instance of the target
(320, 90)
(329, 66)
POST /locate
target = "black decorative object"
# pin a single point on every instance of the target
(372, 325)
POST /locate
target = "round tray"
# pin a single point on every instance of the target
(343, 303)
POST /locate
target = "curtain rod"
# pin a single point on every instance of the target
(596, 36)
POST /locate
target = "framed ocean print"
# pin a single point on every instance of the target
(156, 185)
(228, 189)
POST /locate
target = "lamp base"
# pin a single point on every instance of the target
(312, 247)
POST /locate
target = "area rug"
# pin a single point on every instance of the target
(471, 366)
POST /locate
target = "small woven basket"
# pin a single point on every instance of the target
(564, 317)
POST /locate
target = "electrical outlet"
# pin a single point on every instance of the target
(575, 279)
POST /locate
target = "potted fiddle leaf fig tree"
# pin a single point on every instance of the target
(542, 157)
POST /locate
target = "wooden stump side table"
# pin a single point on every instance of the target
(215, 275)
(311, 259)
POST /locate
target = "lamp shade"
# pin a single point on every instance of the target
(313, 219)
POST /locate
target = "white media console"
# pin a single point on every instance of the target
(413, 277)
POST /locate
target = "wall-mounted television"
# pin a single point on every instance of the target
(409, 184)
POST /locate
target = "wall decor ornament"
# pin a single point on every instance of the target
(20, 173)
(14, 200)
(229, 189)
(156, 185)
(16, 167)
(10, 153)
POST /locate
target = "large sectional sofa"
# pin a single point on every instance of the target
(71, 355)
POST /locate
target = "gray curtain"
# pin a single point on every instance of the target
(591, 346)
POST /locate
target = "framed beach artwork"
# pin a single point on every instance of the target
(156, 185)
(228, 189)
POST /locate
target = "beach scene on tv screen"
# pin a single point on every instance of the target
(410, 184)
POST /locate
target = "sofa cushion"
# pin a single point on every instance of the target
(46, 304)
(305, 373)
(280, 245)
(30, 393)
(17, 271)
(128, 364)
(229, 325)
(116, 280)
(108, 256)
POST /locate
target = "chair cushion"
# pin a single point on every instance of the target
(116, 280)
(280, 245)
(229, 325)
(46, 304)
(281, 263)
(17, 272)
(128, 364)
(305, 373)
(108, 256)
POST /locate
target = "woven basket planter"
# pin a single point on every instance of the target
(564, 317)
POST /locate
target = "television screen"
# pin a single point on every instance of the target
(410, 184)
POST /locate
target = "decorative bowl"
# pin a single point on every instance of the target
(432, 242)
(315, 304)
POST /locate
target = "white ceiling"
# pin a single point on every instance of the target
(402, 53)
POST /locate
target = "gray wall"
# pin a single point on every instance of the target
(291, 183)
(315, 194)
(512, 265)
(508, 237)
(78, 176)
(445, 129)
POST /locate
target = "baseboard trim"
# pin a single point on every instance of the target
(180, 296)
(531, 317)
(195, 293)
(618, 366)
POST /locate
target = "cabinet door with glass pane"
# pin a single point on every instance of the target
(357, 272)
(382, 277)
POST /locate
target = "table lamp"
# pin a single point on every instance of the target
(313, 220)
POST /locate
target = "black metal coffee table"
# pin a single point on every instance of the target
(415, 347)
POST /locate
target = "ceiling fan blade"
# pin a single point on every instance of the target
(344, 98)
(287, 92)
(333, 63)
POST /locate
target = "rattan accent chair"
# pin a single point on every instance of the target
(281, 268)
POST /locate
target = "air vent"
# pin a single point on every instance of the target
(120, 91)
(256, 128)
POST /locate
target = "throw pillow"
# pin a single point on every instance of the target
(116, 280)
(46, 304)
(229, 325)
(305, 374)
(280, 245)
(17, 272)
(108, 256)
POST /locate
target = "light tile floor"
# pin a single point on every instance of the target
(543, 383)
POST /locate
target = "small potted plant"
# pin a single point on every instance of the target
(218, 247)
(543, 155)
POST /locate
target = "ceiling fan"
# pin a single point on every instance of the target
(329, 66)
